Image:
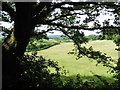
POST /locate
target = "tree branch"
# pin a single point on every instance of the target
(66, 33)
(82, 28)
(49, 8)
(39, 7)
(58, 17)
(84, 5)
(40, 33)
(95, 3)
(9, 10)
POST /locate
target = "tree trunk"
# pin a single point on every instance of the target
(23, 26)
(15, 44)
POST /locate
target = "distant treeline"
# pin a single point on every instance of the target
(60, 38)
(99, 37)
(63, 38)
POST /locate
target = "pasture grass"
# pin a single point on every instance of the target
(84, 66)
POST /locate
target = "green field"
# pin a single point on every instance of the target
(83, 66)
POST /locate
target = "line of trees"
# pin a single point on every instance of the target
(101, 37)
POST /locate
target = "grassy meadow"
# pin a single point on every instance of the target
(83, 66)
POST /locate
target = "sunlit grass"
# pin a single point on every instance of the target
(82, 66)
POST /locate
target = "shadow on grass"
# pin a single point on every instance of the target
(95, 81)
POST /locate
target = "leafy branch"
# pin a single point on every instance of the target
(79, 27)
